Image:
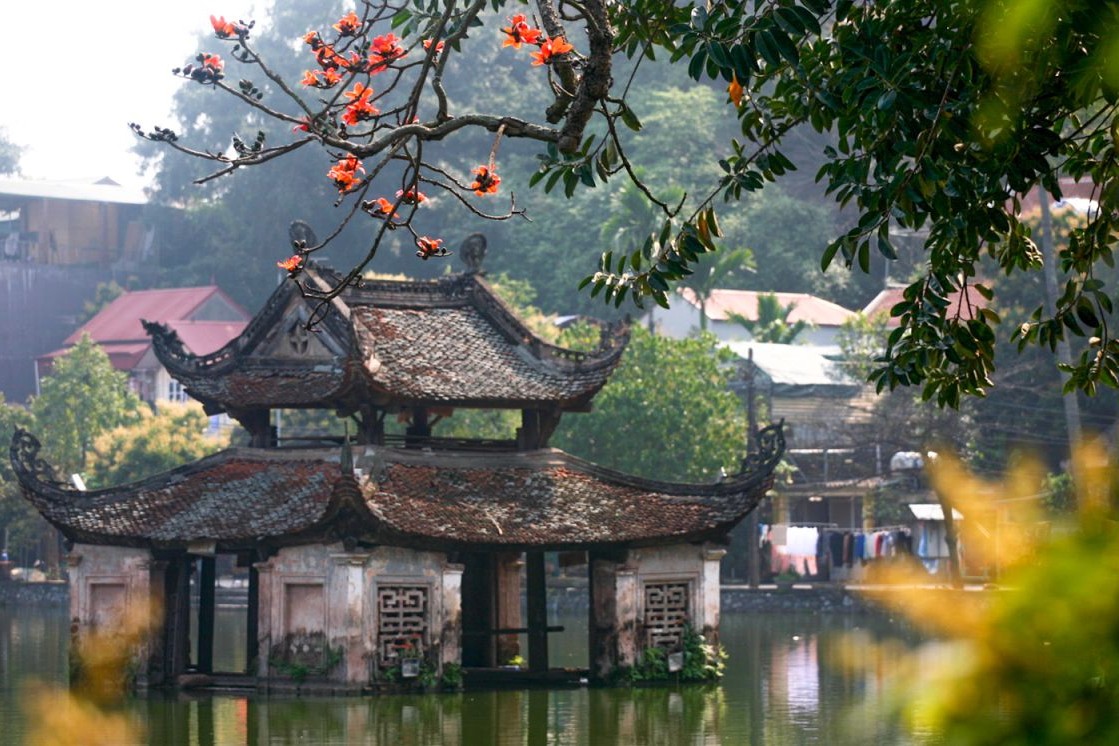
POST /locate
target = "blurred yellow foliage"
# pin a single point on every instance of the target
(1035, 661)
(88, 714)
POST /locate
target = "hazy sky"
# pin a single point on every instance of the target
(76, 72)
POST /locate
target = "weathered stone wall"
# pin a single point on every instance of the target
(327, 596)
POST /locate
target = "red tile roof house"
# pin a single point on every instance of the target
(205, 319)
(683, 317)
(964, 306)
(386, 551)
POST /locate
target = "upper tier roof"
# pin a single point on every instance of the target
(253, 498)
(446, 342)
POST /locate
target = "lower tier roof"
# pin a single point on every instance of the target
(244, 498)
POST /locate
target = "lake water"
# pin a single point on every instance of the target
(782, 686)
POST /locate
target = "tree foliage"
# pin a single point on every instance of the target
(10, 154)
(772, 323)
(18, 519)
(157, 442)
(938, 115)
(666, 413)
(83, 397)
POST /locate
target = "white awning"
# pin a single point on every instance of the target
(932, 512)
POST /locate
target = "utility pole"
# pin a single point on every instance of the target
(1064, 355)
(753, 572)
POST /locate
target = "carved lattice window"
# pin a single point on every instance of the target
(402, 622)
(666, 613)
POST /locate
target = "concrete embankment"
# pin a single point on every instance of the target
(797, 598)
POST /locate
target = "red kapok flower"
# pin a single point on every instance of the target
(292, 266)
(485, 181)
(348, 25)
(519, 32)
(387, 45)
(344, 174)
(382, 51)
(549, 49)
(379, 208)
(438, 46)
(223, 29)
(360, 92)
(327, 57)
(213, 62)
(359, 111)
(734, 90)
(411, 196)
(429, 247)
(312, 38)
(303, 126)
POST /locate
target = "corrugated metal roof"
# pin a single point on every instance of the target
(809, 308)
(793, 365)
(103, 190)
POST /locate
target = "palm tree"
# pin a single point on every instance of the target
(772, 323)
(708, 275)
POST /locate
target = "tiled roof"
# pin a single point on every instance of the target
(411, 498)
(809, 308)
(204, 337)
(120, 321)
(409, 343)
(959, 304)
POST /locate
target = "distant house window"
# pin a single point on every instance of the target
(175, 391)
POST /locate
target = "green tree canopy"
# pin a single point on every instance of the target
(936, 116)
(666, 413)
(156, 442)
(83, 397)
(22, 524)
(9, 154)
(772, 323)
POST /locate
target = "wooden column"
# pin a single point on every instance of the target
(206, 582)
(252, 622)
(507, 603)
(176, 641)
(537, 613)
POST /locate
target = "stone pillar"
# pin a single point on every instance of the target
(264, 620)
(710, 600)
(451, 635)
(507, 599)
(628, 607)
(346, 618)
(613, 614)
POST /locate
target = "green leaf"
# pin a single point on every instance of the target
(629, 119)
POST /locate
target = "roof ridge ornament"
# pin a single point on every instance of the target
(27, 464)
(473, 252)
(768, 447)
